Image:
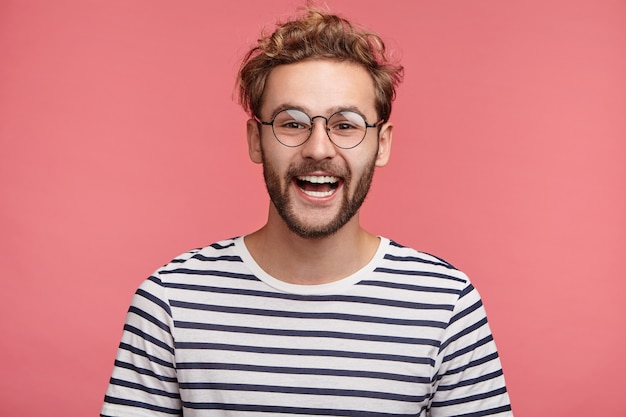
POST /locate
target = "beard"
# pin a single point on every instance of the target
(350, 204)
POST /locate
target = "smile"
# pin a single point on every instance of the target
(317, 185)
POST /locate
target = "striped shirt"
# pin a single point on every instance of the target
(212, 334)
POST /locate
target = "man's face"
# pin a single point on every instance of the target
(317, 188)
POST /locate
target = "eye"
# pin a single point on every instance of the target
(293, 125)
(292, 120)
(346, 123)
(343, 126)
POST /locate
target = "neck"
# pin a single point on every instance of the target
(291, 258)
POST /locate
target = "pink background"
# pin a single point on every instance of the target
(121, 146)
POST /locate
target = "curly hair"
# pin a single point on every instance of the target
(318, 35)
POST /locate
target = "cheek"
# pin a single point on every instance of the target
(273, 150)
(274, 168)
(364, 161)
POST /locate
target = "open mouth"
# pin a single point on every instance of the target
(317, 185)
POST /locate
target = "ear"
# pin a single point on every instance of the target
(384, 144)
(254, 141)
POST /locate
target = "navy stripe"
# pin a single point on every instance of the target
(290, 410)
(467, 330)
(140, 352)
(148, 296)
(466, 290)
(305, 352)
(304, 333)
(443, 261)
(211, 272)
(143, 371)
(420, 273)
(302, 371)
(304, 315)
(469, 348)
(489, 412)
(138, 404)
(396, 244)
(473, 363)
(148, 338)
(438, 262)
(476, 397)
(184, 257)
(467, 311)
(472, 381)
(151, 319)
(178, 261)
(303, 390)
(409, 287)
(227, 258)
(152, 391)
(219, 245)
(323, 298)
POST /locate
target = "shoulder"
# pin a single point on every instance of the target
(399, 255)
(219, 258)
(223, 250)
(401, 252)
(415, 266)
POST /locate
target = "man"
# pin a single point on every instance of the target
(311, 314)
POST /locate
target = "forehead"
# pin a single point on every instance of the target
(319, 87)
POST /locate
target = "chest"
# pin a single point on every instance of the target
(290, 356)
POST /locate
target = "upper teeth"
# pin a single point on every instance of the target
(318, 179)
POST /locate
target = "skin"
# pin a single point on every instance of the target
(322, 240)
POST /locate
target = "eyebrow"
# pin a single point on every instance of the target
(330, 111)
(287, 106)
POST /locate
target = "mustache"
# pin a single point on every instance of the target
(309, 166)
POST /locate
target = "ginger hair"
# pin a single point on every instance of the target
(316, 34)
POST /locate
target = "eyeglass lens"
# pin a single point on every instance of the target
(345, 128)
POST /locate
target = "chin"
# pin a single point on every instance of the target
(319, 231)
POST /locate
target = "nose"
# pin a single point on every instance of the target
(318, 146)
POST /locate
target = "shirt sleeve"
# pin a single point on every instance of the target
(144, 381)
(469, 381)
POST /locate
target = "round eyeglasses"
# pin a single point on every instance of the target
(346, 129)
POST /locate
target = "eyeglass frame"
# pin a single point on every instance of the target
(312, 120)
